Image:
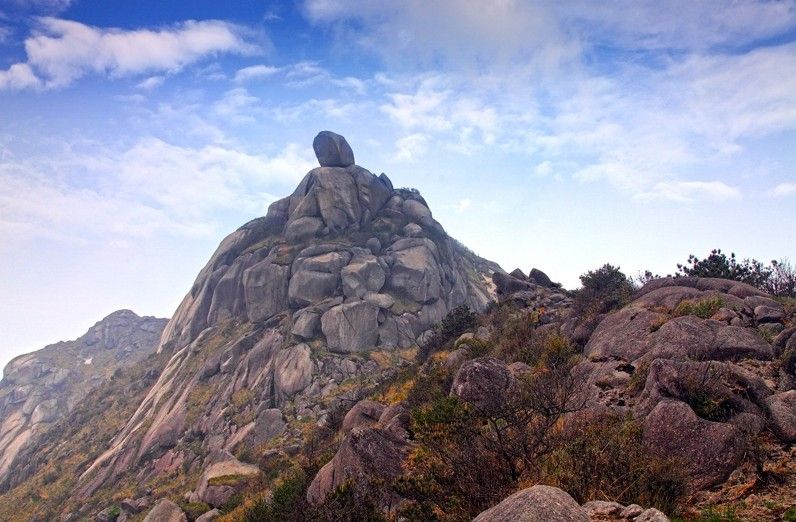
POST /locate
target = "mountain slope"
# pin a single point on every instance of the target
(294, 313)
(42, 387)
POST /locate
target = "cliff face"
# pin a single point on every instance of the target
(330, 291)
(40, 388)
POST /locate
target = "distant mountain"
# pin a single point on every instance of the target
(41, 387)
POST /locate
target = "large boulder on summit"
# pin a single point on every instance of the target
(332, 150)
(536, 504)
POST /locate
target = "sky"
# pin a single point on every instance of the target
(559, 135)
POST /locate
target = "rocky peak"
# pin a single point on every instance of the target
(287, 312)
(42, 387)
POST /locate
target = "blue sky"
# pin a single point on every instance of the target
(560, 135)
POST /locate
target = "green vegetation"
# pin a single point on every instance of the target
(602, 291)
(458, 321)
(778, 278)
(607, 459)
(704, 308)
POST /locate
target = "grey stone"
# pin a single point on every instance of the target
(265, 287)
(308, 286)
(415, 271)
(303, 228)
(651, 515)
(365, 413)
(602, 509)
(209, 516)
(166, 511)
(413, 230)
(782, 411)
(708, 451)
(332, 150)
(362, 275)
(307, 325)
(366, 452)
(417, 212)
(292, 370)
(233, 471)
(768, 314)
(351, 327)
(540, 278)
(536, 504)
(485, 383)
(374, 245)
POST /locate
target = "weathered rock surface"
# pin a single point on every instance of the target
(220, 480)
(368, 452)
(485, 383)
(708, 451)
(42, 387)
(535, 504)
(692, 341)
(782, 408)
(277, 328)
(166, 511)
(332, 150)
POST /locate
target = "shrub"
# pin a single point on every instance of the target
(455, 323)
(777, 278)
(469, 459)
(606, 459)
(287, 502)
(602, 291)
(703, 393)
(430, 385)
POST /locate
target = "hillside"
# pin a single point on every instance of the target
(40, 388)
(343, 358)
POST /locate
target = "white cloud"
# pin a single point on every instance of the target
(311, 109)
(690, 191)
(61, 51)
(150, 83)
(237, 106)
(679, 24)
(305, 73)
(410, 147)
(18, 76)
(255, 71)
(425, 108)
(784, 189)
(477, 34)
(151, 188)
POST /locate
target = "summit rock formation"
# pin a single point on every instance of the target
(331, 290)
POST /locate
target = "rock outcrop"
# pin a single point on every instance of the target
(280, 322)
(686, 358)
(42, 387)
(546, 503)
(370, 450)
